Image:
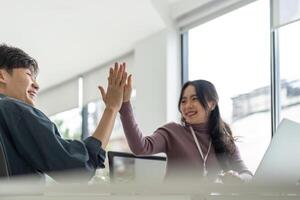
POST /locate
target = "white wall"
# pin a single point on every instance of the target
(156, 70)
(98, 76)
(173, 74)
(60, 98)
(157, 79)
(156, 62)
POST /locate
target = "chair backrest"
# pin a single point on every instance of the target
(128, 167)
(3, 162)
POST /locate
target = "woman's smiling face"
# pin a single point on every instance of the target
(190, 107)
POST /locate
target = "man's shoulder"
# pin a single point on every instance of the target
(13, 105)
(8, 103)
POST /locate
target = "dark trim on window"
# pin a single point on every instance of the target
(275, 75)
(184, 57)
(84, 127)
(275, 82)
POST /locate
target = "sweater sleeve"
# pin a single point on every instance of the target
(237, 164)
(140, 145)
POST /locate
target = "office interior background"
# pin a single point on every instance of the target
(248, 49)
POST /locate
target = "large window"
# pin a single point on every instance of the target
(233, 52)
(117, 140)
(69, 123)
(289, 49)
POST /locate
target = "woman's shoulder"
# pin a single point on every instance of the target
(172, 127)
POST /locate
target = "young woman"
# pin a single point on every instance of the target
(201, 146)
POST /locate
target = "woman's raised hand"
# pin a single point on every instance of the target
(127, 88)
(113, 97)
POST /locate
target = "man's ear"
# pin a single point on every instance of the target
(3, 76)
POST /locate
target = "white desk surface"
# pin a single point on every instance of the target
(181, 191)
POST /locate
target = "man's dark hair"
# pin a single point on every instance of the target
(12, 58)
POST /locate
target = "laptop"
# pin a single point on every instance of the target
(126, 167)
(281, 162)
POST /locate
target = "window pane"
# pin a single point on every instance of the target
(117, 141)
(69, 123)
(289, 48)
(233, 52)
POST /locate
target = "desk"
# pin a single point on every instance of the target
(13, 190)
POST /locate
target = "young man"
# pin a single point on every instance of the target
(32, 143)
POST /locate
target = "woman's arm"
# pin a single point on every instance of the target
(233, 177)
(237, 164)
(239, 171)
(138, 144)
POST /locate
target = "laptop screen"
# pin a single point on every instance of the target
(125, 167)
(281, 162)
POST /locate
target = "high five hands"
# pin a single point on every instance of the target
(127, 88)
(119, 87)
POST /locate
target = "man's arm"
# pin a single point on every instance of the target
(38, 141)
(113, 99)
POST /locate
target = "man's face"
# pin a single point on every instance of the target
(21, 84)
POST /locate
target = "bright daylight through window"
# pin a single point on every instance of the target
(233, 52)
(289, 71)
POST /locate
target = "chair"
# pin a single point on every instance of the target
(128, 167)
(3, 162)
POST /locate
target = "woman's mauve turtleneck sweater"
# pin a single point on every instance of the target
(183, 157)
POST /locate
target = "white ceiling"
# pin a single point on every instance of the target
(70, 37)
